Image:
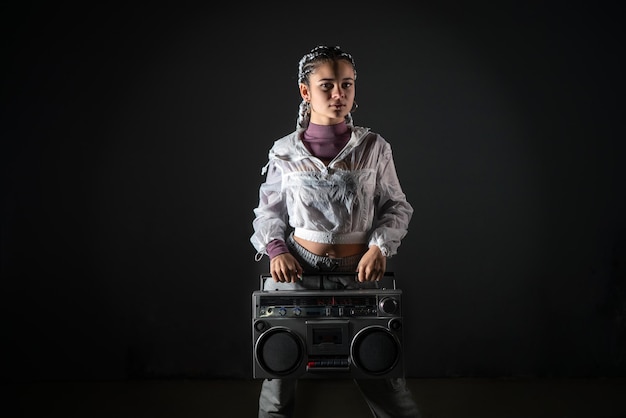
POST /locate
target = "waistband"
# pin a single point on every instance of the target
(331, 237)
(319, 262)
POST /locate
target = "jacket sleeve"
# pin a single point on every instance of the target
(392, 211)
(270, 220)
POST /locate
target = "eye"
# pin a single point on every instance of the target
(326, 86)
(346, 85)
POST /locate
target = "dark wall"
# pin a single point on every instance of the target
(132, 143)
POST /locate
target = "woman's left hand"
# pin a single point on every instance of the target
(372, 265)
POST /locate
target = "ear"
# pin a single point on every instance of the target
(304, 92)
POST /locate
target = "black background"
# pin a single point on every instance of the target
(132, 143)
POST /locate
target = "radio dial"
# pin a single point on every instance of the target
(388, 305)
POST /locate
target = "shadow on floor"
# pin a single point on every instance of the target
(317, 398)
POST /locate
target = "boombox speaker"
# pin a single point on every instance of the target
(354, 333)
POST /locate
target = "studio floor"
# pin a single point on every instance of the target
(317, 398)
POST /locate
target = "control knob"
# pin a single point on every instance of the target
(388, 305)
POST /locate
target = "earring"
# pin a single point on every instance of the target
(355, 106)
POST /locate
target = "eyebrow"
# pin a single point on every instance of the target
(332, 79)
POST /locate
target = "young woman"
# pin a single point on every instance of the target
(331, 201)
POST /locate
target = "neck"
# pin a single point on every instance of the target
(325, 141)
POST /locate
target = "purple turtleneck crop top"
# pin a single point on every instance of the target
(324, 142)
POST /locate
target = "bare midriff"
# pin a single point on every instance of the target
(332, 250)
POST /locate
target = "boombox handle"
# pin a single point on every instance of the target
(323, 274)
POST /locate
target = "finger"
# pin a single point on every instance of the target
(360, 274)
(373, 275)
(283, 273)
(299, 270)
(286, 275)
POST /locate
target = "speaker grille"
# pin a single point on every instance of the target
(375, 350)
(279, 351)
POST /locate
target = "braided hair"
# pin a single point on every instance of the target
(308, 63)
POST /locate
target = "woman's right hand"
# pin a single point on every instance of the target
(285, 268)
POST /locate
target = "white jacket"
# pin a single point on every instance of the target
(357, 198)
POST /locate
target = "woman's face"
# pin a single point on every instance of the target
(330, 91)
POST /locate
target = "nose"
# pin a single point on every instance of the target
(338, 91)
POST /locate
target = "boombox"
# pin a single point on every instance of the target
(354, 333)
